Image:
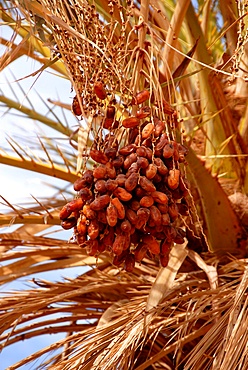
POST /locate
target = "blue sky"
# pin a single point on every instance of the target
(18, 185)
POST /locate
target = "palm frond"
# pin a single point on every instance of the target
(186, 316)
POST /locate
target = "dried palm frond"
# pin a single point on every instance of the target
(108, 315)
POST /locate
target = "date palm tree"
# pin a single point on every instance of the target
(189, 312)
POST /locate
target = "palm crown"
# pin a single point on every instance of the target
(134, 68)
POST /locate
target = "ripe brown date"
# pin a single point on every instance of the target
(111, 171)
(133, 168)
(65, 212)
(132, 181)
(183, 209)
(128, 149)
(146, 201)
(85, 194)
(118, 245)
(100, 186)
(170, 233)
(168, 150)
(147, 142)
(119, 259)
(167, 108)
(111, 185)
(127, 241)
(135, 237)
(173, 179)
(143, 112)
(121, 178)
(109, 237)
(131, 158)
(110, 153)
(140, 97)
(159, 127)
(100, 172)
(173, 211)
(155, 215)
(108, 122)
(126, 226)
(98, 156)
(110, 141)
(165, 247)
(161, 167)
(101, 216)
(165, 219)
(149, 153)
(163, 140)
(87, 211)
(140, 251)
(130, 122)
(82, 225)
(75, 107)
(164, 260)
(157, 178)
(120, 208)
(152, 244)
(160, 197)
(147, 130)
(118, 161)
(93, 229)
(100, 202)
(142, 162)
(143, 215)
(141, 151)
(79, 184)
(101, 246)
(151, 171)
(88, 177)
(129, 262)
(122, 194)
(179, 238)
(110, 112)
(69, 223)
(111, 215)
(140, 193)
(81, 240)
(146, 184)
(99, 90)
(135, 205)
(182, 152)
(131, 216)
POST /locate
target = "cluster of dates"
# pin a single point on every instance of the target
(109, 120)
(128, 202)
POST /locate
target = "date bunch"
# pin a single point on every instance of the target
(128, 203)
